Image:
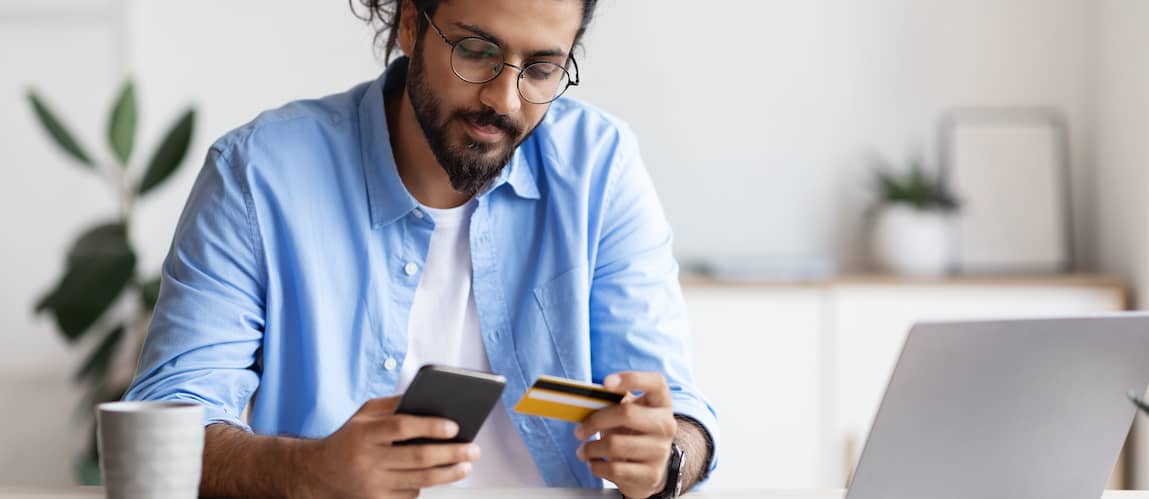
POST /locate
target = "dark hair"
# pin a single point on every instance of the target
(384, 17)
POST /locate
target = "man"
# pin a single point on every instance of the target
(451, 212)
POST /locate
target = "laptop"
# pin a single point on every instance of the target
(1015, 409)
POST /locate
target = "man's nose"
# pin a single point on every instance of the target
(502, 93)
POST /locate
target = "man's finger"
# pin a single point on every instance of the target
(635, 417)
(635, 448)
(656, 393)
(382, 406)
(421, 479)
(403, 494)
(627, 475)
(401, 427)
(417, 457)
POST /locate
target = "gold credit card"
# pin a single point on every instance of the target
(565, 399)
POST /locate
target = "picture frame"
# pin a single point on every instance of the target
(1010, 170)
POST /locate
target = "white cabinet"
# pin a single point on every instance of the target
(757, 357)
(797, 372)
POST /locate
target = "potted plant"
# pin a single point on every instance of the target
(100, 271)
(912, 231)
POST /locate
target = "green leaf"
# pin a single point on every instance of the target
(97, 364)
(87, 465)
(122, 124)
(150, 293)
(87, 471)
(99, 267)
(1138, 402)
(915, 187)
(170, 154)
(56, 129)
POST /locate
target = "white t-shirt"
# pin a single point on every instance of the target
(444, 329)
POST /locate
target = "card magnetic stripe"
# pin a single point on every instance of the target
(598, 394)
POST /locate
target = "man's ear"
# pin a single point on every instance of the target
(408, 26)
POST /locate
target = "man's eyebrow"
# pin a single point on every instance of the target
(554, 52)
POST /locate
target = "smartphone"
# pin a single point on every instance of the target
(461, 395)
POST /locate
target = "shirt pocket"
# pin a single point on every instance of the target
(564, 303)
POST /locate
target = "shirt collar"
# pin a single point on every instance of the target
(387, 197)
(518, 175)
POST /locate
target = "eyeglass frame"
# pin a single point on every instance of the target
(518, 81)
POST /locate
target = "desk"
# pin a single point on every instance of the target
(455, 493)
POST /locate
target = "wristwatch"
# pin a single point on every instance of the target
(674, 474)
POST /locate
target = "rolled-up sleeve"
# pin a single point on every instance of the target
(208, 322)
(638, 315)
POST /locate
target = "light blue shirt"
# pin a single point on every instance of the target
(292, 271)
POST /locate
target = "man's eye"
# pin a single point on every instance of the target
(470, 54)
(477, 51)
(541, 73)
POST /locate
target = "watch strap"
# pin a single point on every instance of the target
(674, 473)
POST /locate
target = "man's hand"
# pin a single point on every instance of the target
(635, 435)
(360, 460)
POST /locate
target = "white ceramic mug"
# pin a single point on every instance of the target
(151, 449)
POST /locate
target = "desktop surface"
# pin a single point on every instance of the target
(460, 493)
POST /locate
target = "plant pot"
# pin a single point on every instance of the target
(909, 241)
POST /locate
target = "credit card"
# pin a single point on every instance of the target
(565, 399)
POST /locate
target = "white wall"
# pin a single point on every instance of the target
(1123, 140)
(736, 147)
(67, 50)
(233, 60)
(751, 112)
(1123, 161)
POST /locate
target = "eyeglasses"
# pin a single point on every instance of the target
(477, 60)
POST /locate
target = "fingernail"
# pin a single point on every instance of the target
(581, 453)
(450, 428)
(611, 381)
(473, 452)
(465, 467)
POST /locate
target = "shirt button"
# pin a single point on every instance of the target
(418, 213)
(410, 268)
(390, 364)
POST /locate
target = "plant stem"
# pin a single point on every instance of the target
(136, 328)
(126, 196)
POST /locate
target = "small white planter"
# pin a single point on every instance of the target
(913, 242)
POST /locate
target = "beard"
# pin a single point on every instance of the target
(470, 164)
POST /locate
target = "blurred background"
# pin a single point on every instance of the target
(834, 170)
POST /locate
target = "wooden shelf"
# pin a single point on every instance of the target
(1101, 281)
(1075, 280)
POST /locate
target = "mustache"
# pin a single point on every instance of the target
(488, 117)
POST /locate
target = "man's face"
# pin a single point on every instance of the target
(473, 129)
